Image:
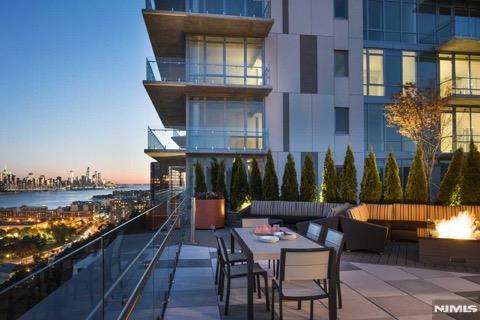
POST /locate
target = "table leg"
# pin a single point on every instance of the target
(332, 296)
(232, 243)
(250, 280)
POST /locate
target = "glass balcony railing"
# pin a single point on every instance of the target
(462, 27)
(208, 140)
(242, 8)
(183, 70)
(452, 143)
(103, 278)
(469, 86)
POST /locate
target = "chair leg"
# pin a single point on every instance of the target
(268, 264)
(267, 301)
(278, 268)
(273, 301)
(217, 271)
(280, 306)
(258, 287)
(325, 285)
(220, 285)
(227, 299)
(339, 293)
(311, 309)
(299, 304)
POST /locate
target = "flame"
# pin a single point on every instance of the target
(461, 226)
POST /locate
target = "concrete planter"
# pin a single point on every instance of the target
(209, 213)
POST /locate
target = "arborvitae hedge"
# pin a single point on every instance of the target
(240, 185)
(392, 186)
(449, 187)
(233, 172)
(289, 183)
(371, 187)
(214, 174)
(329, 179)
(270, 180)
(416, 190)
(308, 183)
(470, 190)
(200, 185)
(221, 186)
(256, 189)
(348, 183)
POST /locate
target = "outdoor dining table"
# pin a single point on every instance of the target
(256, 250)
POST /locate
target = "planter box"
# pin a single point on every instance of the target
(209, 213)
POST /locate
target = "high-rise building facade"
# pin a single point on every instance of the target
(299, 76)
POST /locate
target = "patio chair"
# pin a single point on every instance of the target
(300, 273)
(234, 257)
(229, 271)
(314, 231)
(336, 240)
(254, 222)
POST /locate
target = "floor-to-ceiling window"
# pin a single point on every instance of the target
(225, 60)
(459, 74)
(460, 125)
(226, 123)
(373, 73)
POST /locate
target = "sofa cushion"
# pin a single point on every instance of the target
(339, 210)
(380, 211)
(292, 209)
(359, 212)
(410, 212)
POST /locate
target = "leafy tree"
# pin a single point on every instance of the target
(289, 183)
(470, 191)
(214, 174)
(200, 185)
(221, 186)
(256, 189)
(240, 185)
(392, 186)
(450, 185)
(416, 190)
(417, 115)
(329, 179)
(308, 181)
(371, 187)
(348, 179)
(270, 180)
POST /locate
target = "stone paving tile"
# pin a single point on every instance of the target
(197, 272)
(194, 263)
(193, 298)
(238, 296)
(348, 266)
(385, 273)
(193, 313)
(426, 317)
(455, 284)
(368, 285)
(193, 283)
(470, 295)
(429, 298)
(194, 252)
(418, 286)
(426, 273)
(403, 306)
(475, 279)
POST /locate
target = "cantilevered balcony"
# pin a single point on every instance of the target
(168, 21)
(461, 90)
(460, 34)
(169, 81)
(167, 142)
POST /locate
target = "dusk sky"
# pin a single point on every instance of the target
(71, 92)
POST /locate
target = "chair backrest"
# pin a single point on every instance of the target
(314, 231)
(253, 222)
(222, 249)
(305, 264)
(335, 240)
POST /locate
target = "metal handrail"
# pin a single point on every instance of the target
(136, 294)
(99, 238)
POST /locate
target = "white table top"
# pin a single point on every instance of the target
(271, 251)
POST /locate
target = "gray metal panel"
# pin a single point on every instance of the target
(285, 15)
(308, 64)
(286, 122)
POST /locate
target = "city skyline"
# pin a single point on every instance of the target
(71, 92)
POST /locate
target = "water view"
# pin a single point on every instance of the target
(54, 199)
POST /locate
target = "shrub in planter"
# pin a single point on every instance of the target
(470, 191)
(200, 185)
(451, 181)
(290, 184)
(256, 189)
(416, 190)
(329, 179)
(348, 179)
(221, 186)
(209, 210)
(392, 187)
(308, 182)
(270, 180)
(371, 187)
(213, 174)
(239, 192)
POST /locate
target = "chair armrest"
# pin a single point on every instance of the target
(360, 235)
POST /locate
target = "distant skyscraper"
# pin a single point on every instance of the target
(88, 174)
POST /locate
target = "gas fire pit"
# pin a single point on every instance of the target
(452, 242)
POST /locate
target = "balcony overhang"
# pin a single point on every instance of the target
(163, 155)
(167, 29)
(169, 98)
(464, 100)
(459, 44)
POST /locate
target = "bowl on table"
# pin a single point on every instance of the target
(268, 239)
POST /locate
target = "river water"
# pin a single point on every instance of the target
(56, 199)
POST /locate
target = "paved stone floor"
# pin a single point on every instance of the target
(370, 291)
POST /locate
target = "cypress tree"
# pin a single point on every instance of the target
(308, 183)
(200, 185)
(470, 190)
(289, 183)
(214, 174)
(256, 190)
(449, 187)
(240, 185)
(416, 190)
(392, 186)
(270, 180)
(329, 179)
(221, 186)
(348, 180)
(371, 187)
(233, 172)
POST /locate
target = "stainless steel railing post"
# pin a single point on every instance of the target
(192, 221)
